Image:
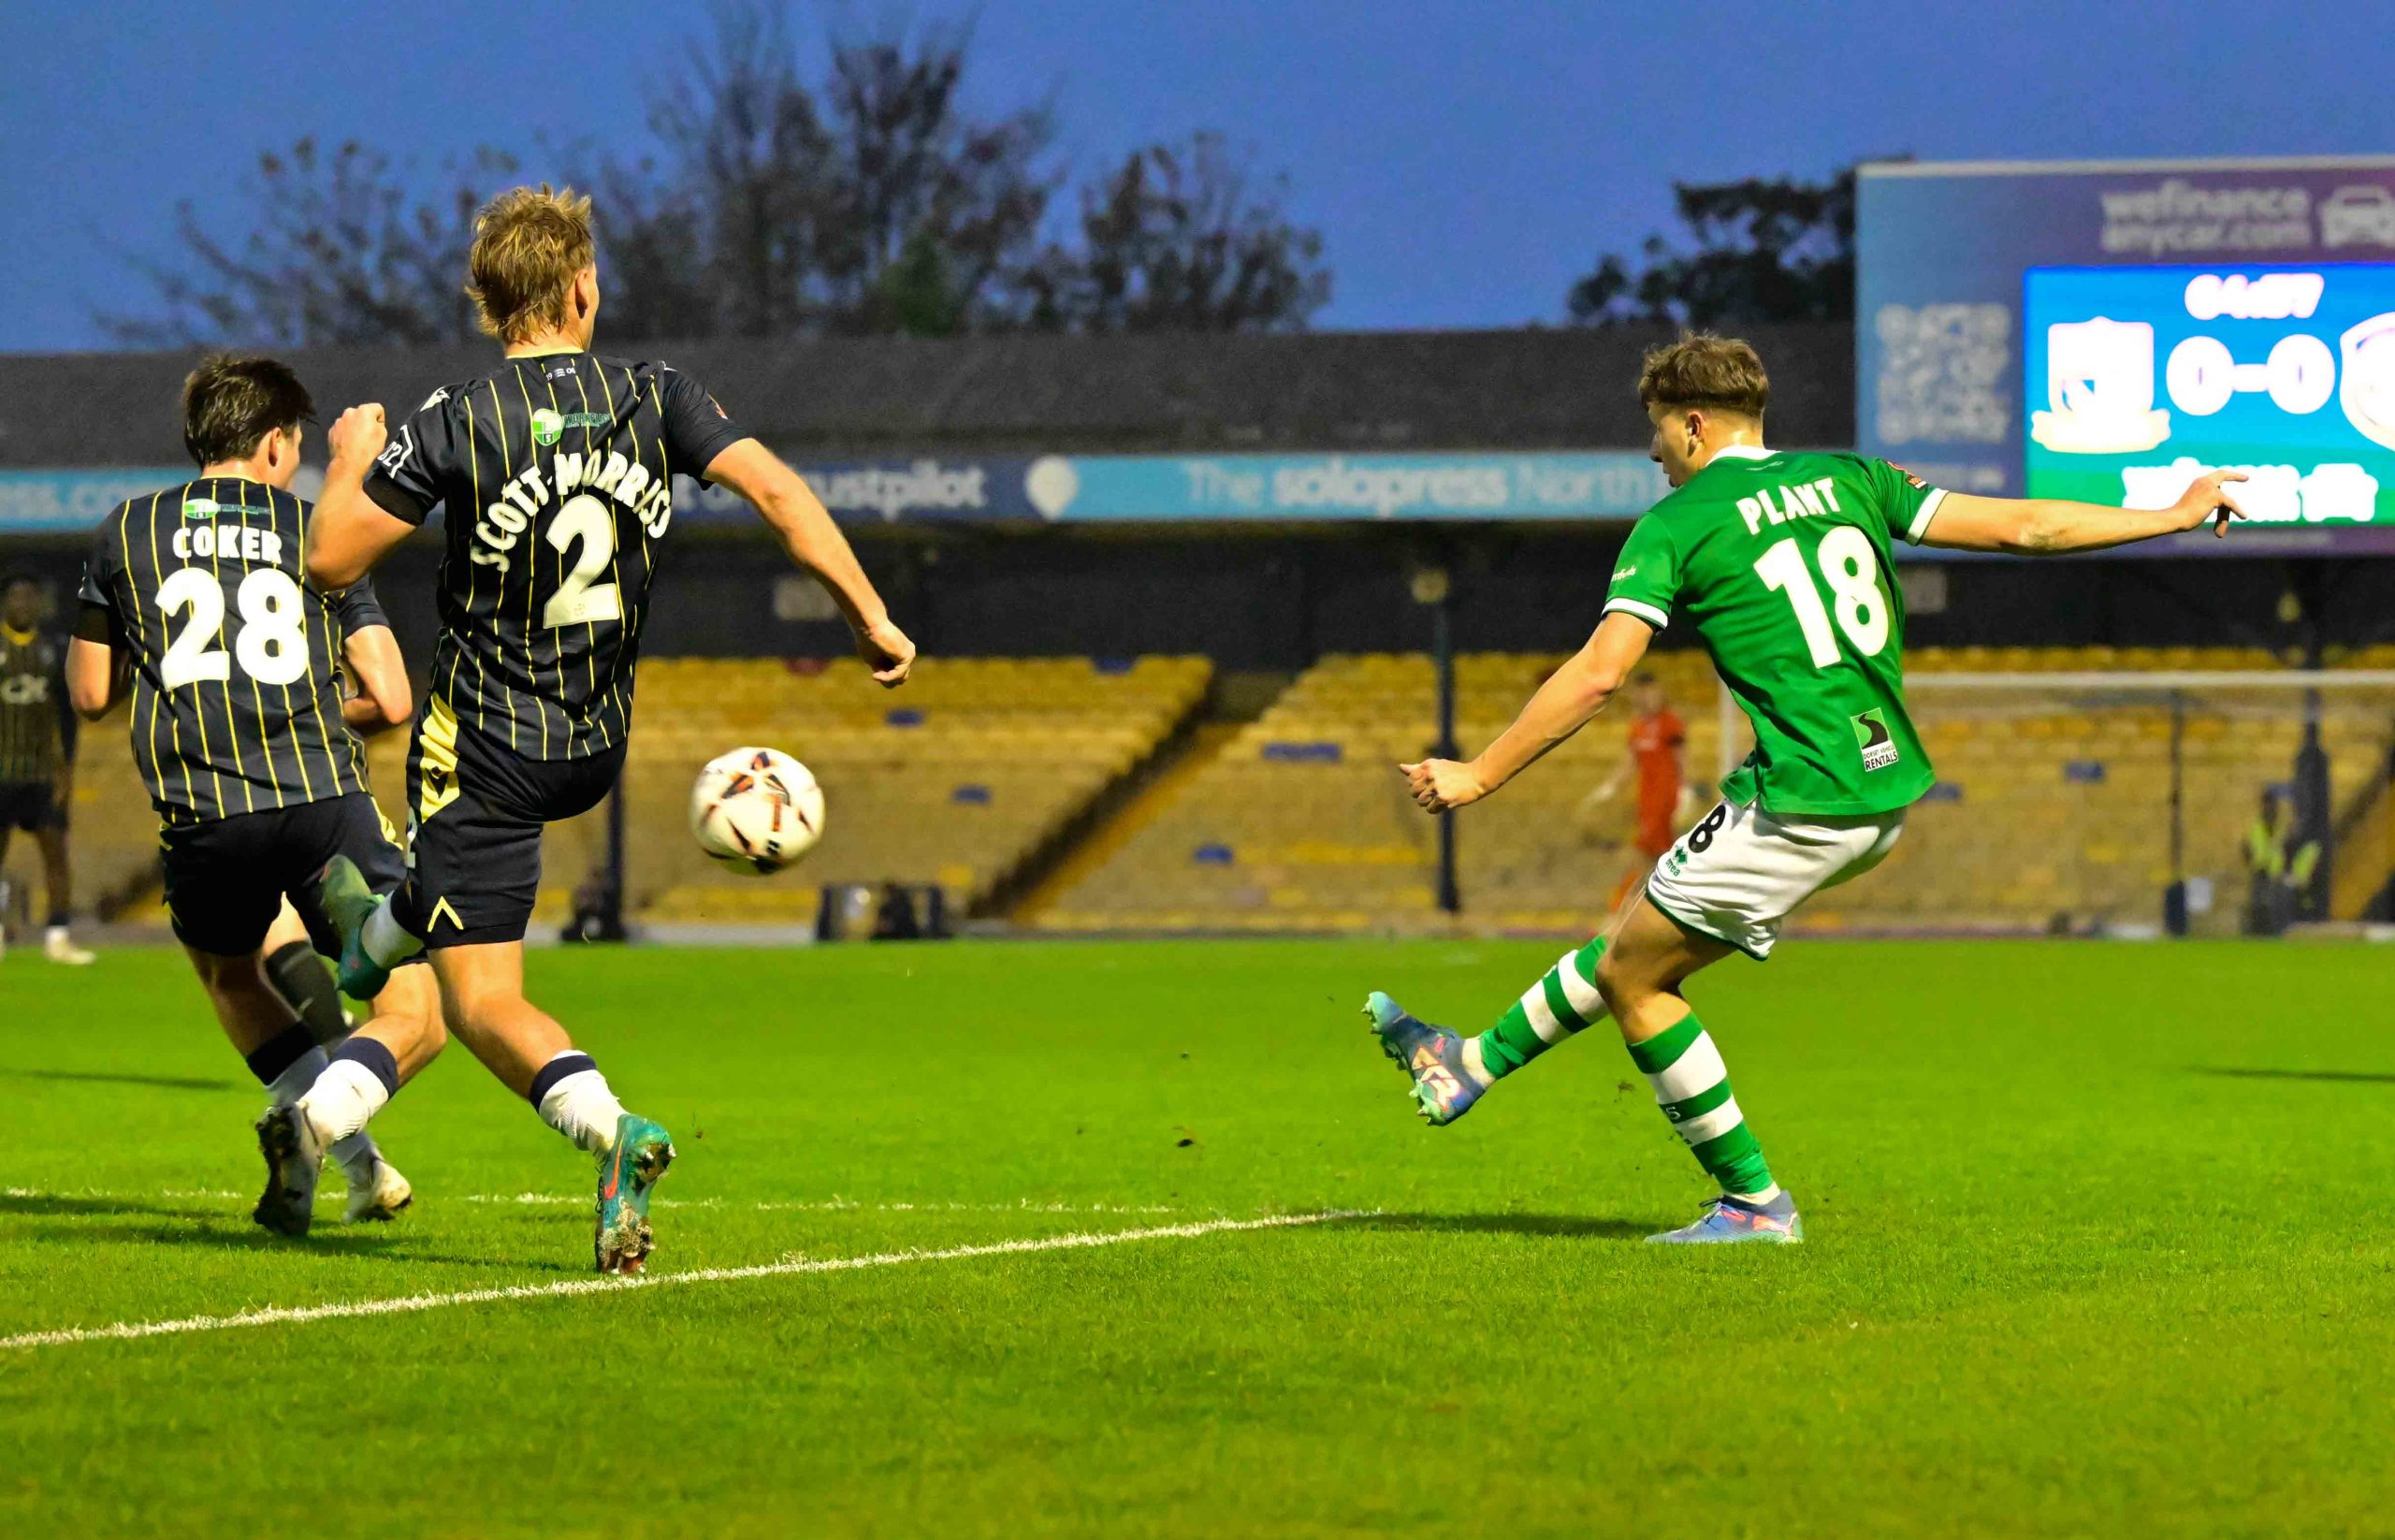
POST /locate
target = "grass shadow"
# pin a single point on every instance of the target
(2353, 1076)
(350, 1241)
(1574, 1225)
(160, 1083)
(64, 1204)
(225, 1229)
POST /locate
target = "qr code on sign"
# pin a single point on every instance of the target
(1940, 367)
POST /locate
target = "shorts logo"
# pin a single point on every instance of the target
(1871, 736)
(440, 910)
(437, 762)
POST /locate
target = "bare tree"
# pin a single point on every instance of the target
(1765, 250)
(874, 202)
(1173, 239)
(867, 198)
(336, 252)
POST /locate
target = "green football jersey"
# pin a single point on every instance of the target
(1781, 562)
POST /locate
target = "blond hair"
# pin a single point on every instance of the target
(529, 244)
(1706, 372)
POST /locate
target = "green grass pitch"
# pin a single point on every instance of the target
(2099, 1245)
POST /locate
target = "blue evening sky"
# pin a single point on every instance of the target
(1465, 161)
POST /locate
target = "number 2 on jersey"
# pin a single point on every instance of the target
(271, 644)
(582, 520)
(1852, 571)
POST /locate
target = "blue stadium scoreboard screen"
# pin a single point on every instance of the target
(2109, 332)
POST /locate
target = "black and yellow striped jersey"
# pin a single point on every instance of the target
(37, 726)
(236, 658)
(557, 473)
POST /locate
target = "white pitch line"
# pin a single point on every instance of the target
(565, 1201)
(830, 1205)
(790, 1267)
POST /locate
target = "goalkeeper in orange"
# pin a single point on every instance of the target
(1656, 738)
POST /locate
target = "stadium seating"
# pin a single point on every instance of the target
(955, 780)
(2053, 805)
(1301, 822)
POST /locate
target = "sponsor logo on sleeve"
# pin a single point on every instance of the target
(1872, 736)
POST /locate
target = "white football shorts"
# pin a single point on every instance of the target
(1739, 873)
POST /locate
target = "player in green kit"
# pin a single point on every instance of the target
(1779, 562)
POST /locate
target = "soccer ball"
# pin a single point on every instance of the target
(756, 809)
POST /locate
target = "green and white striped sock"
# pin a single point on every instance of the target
(1692, 1086)
(1563, 1003)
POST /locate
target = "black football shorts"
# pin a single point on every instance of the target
(226, 878)
(475, 812)
(31, 805)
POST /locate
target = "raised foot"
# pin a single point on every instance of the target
(1442, 1086)
(628, 1173)
(348, 903)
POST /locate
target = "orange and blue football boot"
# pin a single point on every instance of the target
(628, 1172)
(1431, 1057)
(1728, 1222)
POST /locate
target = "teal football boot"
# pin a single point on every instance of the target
(628, 1173)
(348, 903)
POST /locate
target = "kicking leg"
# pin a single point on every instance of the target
(1640, 977)
(1449, 1072)
(529, 1052)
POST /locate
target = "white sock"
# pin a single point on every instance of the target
(383, 939)
(1758, 1199)
(293, 1082)
(357, 1156)
(1476, 1064)
(344, 1097)
(582, 1108)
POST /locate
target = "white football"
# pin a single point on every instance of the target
(756, 809)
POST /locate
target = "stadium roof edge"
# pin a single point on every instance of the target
(1558, 387)
(2115, 167)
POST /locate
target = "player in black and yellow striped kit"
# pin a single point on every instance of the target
(555, 477)
(37, 755)
(196, 605)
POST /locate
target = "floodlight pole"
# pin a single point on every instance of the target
(1434, 592)
(611, 906)
(1442, 653)
(2174, 897)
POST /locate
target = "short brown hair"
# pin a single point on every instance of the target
(529, 243)
(233, 400)
(1704, 372)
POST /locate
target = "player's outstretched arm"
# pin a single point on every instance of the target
(383, 698)
(350, 531)
(2049, 527)
(1572, 695)
(782, 497)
